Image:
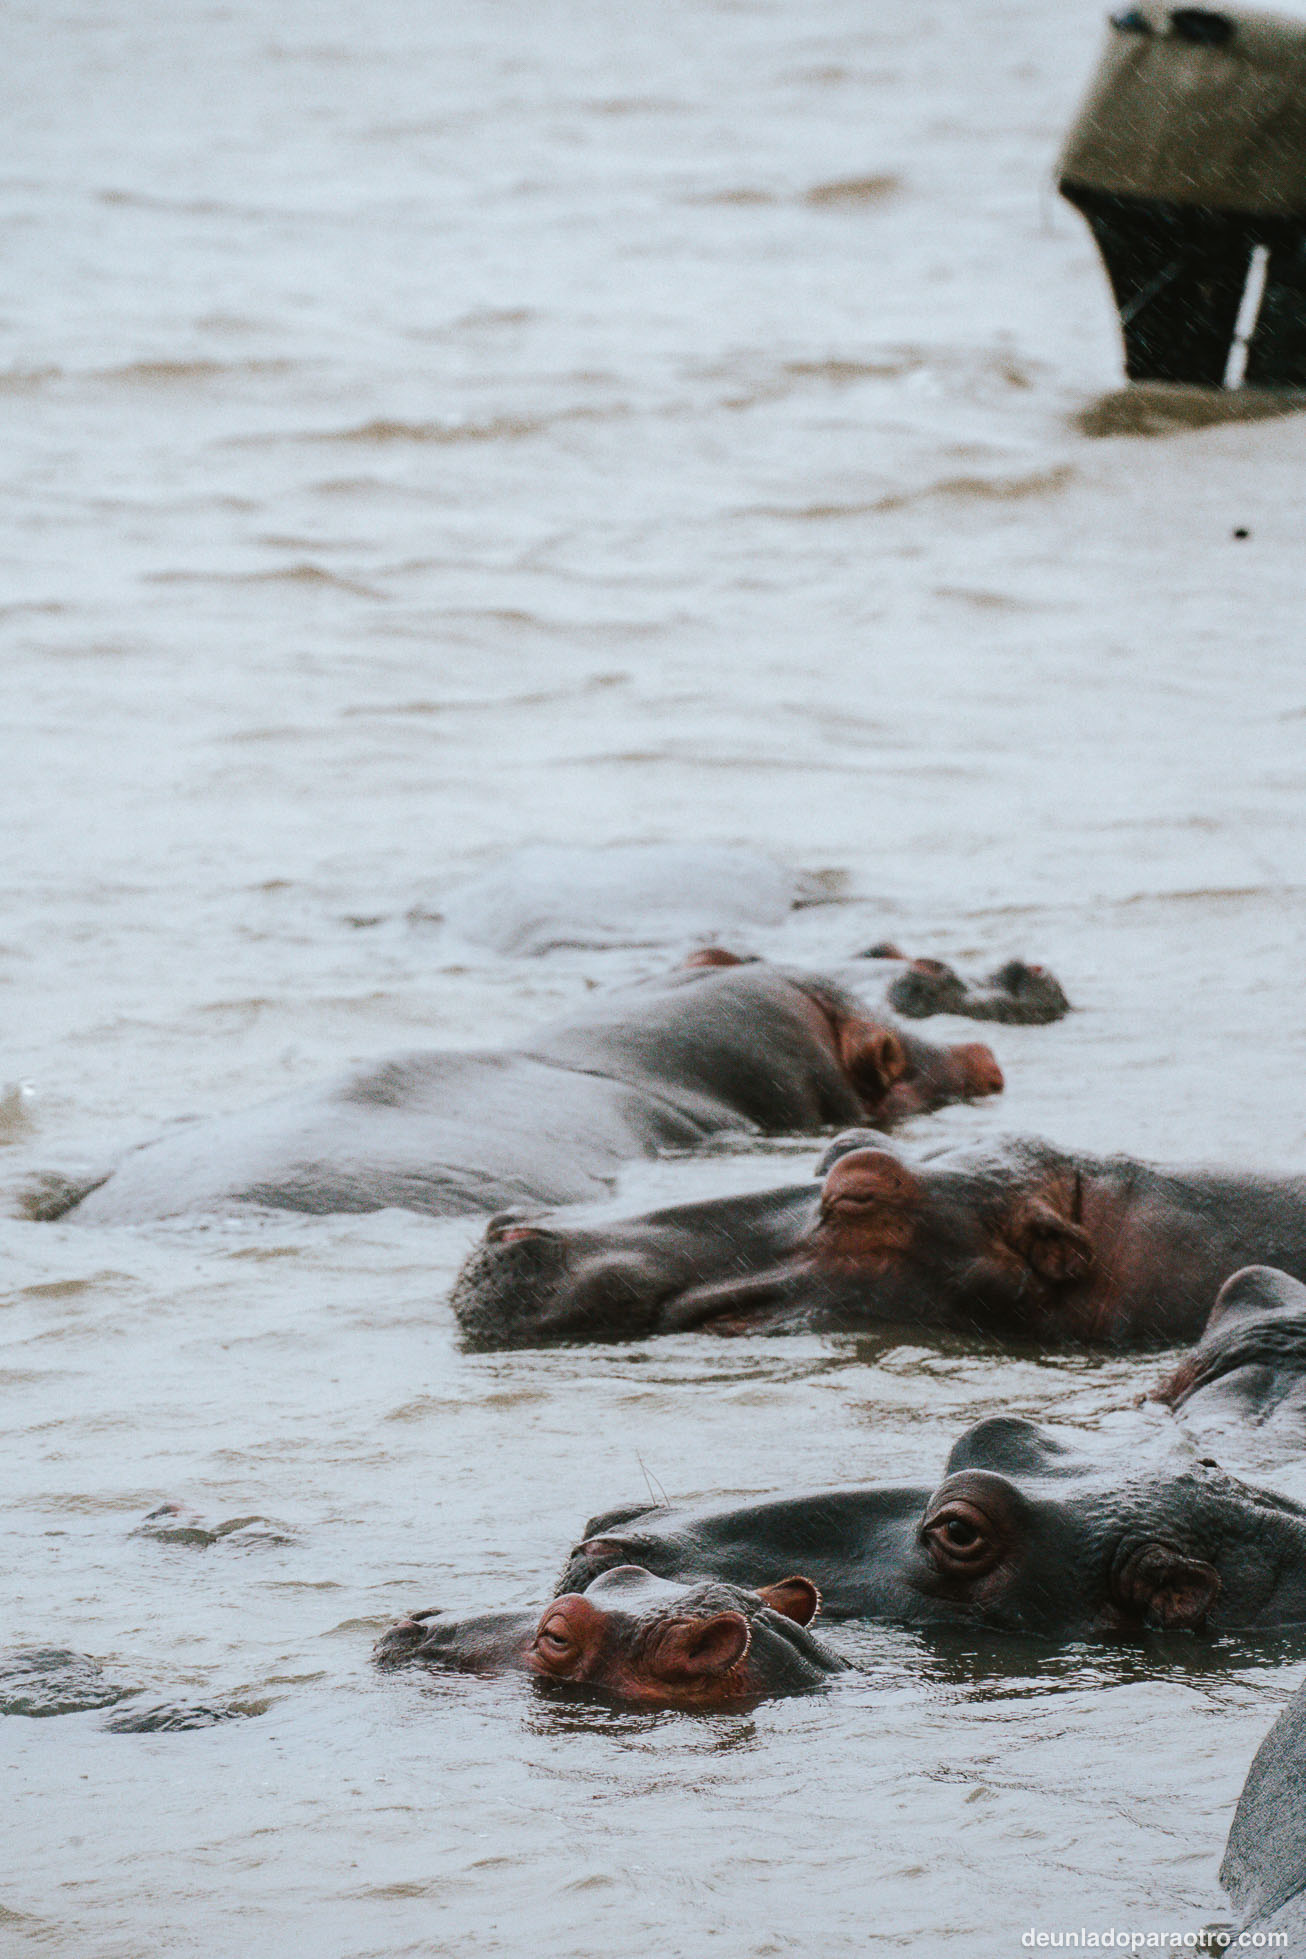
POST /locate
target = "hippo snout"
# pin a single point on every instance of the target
(506, 1285)
(511, 1227)
(596, 1555)
(399, 1642)
(530, 1286)
(979, 1070)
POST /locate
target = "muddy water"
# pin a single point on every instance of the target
(430, 430)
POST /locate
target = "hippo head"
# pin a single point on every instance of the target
(641, 1640)
(971, 1243)
(1017, 993)
(1028, 1533)
(1252, 1354)
(993, 1245)
(1024, 1533)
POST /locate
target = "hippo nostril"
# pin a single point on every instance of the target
(604, 1554)
(510, 1227)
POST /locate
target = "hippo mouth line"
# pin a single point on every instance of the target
(724, 1300)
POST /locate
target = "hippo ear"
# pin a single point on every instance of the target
(795, 1598)
(870, 1209)
(844, 1144)
(715, 955)
(1254, 1291)
(1165, 1587)
(873, 1058)
(1054, 1247)
(696, 1649)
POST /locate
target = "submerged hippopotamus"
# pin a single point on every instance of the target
(639, 1639)
(1023, 1534)
(549, 896)
(1248, 1370)
(1026, 1242)
(1264, 1868)
(749, 1049)
(1017, 993)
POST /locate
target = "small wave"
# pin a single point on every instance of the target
(494, 316)
(37, 606)
(635, 105)
(989, 489)
(480, 704)
(26, 380)
(982, 601)
(745, 195)
(1153, 408)
(853, 193)
(843, 373)
(387, 429)
(142, 373)
(959, 489)
(175, 373)
(300, 574)
(963, 372)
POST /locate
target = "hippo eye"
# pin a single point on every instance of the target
(554, 1641)
(960, 1538)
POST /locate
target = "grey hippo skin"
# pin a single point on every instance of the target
(1023, 1534)
(1264, 1869)
(1248, 1371)
(1017, 993)
(710, 1050)
(639, 1639)
(1023, 1242)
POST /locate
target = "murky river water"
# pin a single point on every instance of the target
(433, 429)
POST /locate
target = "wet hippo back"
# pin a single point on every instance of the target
(1246, 1377)
(748, 1043)
(745, 1049)
(441, 1133)
(1264, 1868)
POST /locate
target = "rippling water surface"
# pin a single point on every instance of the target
(429, 430)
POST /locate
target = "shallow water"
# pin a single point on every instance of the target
(429, 431)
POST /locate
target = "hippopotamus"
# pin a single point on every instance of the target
(1016, 992)
(1025, 1533)
(745, 1049)
(1248, 1371)
(1023, 1242)
(1264, 1868)
(550, 896)
(639, 1639)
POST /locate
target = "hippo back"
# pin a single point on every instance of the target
(1264, 1868)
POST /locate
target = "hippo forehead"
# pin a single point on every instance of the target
(631, 1590)
(1194, 1501)
(1257, 1291)
(1006, 1445)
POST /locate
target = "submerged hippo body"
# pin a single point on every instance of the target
(639, 1639)
(752, 1049)
(1264, 1868)
(1023, 1534)
(550, 897)
(1017, 993)
(1248, 1371)
(1028, 1243)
